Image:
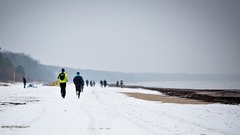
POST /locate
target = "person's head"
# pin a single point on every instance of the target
(63, 70)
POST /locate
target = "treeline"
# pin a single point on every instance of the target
(6, 68)
(13, 66)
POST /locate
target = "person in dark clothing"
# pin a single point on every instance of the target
(117, 83)
(121, 83)
(24, 82)
(87, 82)
(63, 79)
(101, 83)
(105, 83)
(94, 83)
(79, 83)
(91, 84)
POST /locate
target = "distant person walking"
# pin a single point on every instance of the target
(94, 83)
(117, 83)
(101, 83)
(87, 82)
(105, 83)
(79, 84)
(63, 79)
(121, 83)
(24, 82)
(91, 84)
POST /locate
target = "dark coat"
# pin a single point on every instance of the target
(24, 80)
(78, 80)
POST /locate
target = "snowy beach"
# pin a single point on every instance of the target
(105, 111)
(165, 67)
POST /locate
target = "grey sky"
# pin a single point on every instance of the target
(165, 36)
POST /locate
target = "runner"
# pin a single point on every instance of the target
(79, 83)
(63, 79)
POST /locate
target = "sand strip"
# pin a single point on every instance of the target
(163, 99)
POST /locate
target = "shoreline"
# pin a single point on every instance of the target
(223, 96)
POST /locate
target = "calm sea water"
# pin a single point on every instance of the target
(191, 84)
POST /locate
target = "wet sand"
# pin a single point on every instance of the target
(164, 99)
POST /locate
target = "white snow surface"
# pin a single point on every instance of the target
(106, 111)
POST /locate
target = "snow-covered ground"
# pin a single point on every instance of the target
(106, 111)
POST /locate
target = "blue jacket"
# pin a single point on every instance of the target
(78, 80)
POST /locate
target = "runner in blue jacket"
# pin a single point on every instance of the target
(79, 83)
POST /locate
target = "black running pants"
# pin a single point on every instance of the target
(63, 89)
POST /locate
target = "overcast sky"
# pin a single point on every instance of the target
(163, 36)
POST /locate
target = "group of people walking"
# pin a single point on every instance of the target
(119, 85)
(91, 83)
(77, 80)
(103, 83)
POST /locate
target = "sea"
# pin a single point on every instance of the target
(190, 84)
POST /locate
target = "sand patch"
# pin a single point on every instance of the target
(163, 99)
